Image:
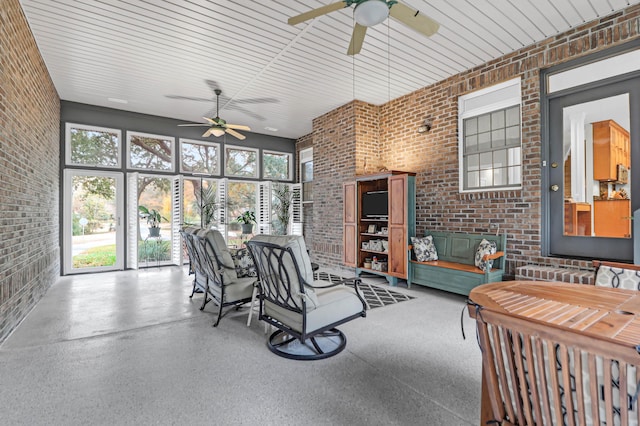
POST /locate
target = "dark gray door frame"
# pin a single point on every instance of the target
(585, 247)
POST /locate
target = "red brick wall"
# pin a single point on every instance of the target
(434, 155)
(29, 161)
(334, 162)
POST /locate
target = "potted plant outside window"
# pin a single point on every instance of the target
(246, 220)
(154, 218)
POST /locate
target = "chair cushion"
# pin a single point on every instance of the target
(298, 247)
(334, 304)
(608, 276)
(222, 251)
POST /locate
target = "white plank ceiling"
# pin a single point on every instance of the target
(150, 53)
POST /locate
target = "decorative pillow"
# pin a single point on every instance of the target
(618, 278)
(244, 263)
(485, 247)
(424, 248)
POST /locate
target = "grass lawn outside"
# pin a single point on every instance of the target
(96, 256)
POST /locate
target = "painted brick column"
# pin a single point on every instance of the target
(29, 163)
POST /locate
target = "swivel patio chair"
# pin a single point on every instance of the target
(305, 312)
(213, 262)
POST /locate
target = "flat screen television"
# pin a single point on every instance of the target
(375, 204)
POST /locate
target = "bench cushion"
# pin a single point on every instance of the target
(451, 265)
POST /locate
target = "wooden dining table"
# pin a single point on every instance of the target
(580, 322)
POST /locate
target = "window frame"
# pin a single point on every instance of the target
(473, 105)
(153, 136)
(68, 162)
(306, 156)
(217, 145)
(256, 177)
(289, 156)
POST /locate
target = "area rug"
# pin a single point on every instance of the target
(376, 296)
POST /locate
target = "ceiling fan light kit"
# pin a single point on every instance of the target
(217, 131)
(368, 13)
(371, 12)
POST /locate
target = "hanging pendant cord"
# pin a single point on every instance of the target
(388, 60)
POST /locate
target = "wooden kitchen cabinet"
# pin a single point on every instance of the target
(610, 149)
(612, 218)
(577, 219)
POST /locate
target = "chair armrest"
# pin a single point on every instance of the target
(355, 280)
(496, 255)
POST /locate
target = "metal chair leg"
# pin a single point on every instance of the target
(219, 316)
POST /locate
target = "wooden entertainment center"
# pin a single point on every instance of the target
(375, 242)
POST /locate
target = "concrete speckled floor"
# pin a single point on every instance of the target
(132, 348)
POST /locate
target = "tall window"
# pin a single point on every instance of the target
(154, 193)
(92, 146)
(489, 138)
(306, 174)
(240, 162)
(241, 197)
(150, 152)
(199, 157)
(200, 202)
(276, 165)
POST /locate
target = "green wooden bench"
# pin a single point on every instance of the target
(455, 269)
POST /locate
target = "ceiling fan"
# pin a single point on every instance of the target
(368, 13)
(218, 126)
(228, 104)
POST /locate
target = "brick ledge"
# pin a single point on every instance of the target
(552, 273)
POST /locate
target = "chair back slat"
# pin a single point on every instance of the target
(208, 261)
(280, 280)
(534, 379)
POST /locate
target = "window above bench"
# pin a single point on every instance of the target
(489, 145)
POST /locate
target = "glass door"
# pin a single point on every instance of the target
(593, 145)
(93, 231)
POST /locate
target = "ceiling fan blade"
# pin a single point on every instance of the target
(357, 38)
(234, 107)
(414, 19)
(238, 127)
(236, 134)
(210, 120)
(207, 133)
(316, 12)
(186, 125)
(189, 98)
